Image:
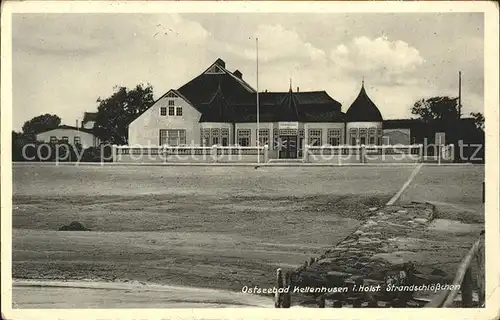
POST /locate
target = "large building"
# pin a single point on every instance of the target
(219, 108)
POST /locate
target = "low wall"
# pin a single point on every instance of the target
(190, 155)
(386, 244)
(363, 154)
(311, 154)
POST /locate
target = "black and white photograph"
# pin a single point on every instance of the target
(258, 156)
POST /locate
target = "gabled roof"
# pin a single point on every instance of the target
(171, 91)
(222, 96)
(89, 116)
(200, 90)
(363, 109)
(65, 127)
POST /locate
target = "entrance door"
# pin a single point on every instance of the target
(288, 149)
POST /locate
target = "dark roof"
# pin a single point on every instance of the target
(401, 123)
(201, 89)
(217, 109)
(283, 106)
(89, 116)
(69, 128)
(221, 96)
(363, 109)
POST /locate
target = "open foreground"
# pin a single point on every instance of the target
(214, 227)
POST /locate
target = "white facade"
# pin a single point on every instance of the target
(397, 136)
(73, 136)
(363, 133)
(216, 133)
(173, 116)
(326, 130)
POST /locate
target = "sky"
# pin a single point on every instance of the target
(62, 63)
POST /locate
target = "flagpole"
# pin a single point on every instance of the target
(257, 133)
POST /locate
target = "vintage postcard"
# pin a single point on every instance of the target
(213, 160)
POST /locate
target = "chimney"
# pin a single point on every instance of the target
(238, 74)
(220, 62)
(298, 89)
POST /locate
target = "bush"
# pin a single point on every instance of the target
(74, 226)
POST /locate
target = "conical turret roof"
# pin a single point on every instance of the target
(363, 109)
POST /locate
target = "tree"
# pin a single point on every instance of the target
(478, 119)
(41, 123)
(436, 108)
(115, 113)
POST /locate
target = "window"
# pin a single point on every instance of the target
(215, 136)
(263, 136)
(77, 140)
(372, 136)
(315, 137)
(244, 137)
(65, 139)
(353, 136)
(53, 139)
(334, 137)
(205, 137)
(163, 111)
(172, 138)
(362, 136)
(214, 70)
(225, 136)
(178, 111)
(171, 102)
(171, 111)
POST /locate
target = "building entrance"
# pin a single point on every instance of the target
(288, 147)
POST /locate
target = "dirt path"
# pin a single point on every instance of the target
(35, 294)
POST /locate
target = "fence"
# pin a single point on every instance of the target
(464, 279)
(364, 153)
(311, 154)
(190, 154)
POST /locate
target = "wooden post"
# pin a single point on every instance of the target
(266, 153)
(421, 152)
(480, 271)
(362, 152)
(279, 284)
(286, 301)
(466, 288)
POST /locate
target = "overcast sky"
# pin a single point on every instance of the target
(63, 62)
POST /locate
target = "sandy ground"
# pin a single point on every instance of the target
(219, 228)
(86, 294)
